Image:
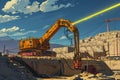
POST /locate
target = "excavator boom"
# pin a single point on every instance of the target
(54, 28)
(42, 44)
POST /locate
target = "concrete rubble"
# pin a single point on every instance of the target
(85, 76)
(90, 76)
(99, 76)
(102, 44)
(11, 71)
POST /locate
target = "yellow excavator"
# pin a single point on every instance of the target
(35, 47)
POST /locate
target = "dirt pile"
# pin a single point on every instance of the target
(11, 71)
(90, 76)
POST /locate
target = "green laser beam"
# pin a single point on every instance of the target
(97, 13)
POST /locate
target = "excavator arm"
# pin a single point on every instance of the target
(44, 40)
(54, 28)
(43, 43)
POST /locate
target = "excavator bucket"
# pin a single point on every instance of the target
(77, 64)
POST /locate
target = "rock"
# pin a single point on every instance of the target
(90, 75)
(84, 74)
(117, 76)
(78, 78)
(99, 74)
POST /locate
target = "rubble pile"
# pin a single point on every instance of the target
(90, 76)
(11, 71)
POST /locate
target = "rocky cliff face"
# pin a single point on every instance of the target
(103, 44)
(107, 42)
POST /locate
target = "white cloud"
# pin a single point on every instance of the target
(21, 6)
(12, 29)
(45, 27)
(50, 5)
(22, 37)
(7, 18)
(3, 34)
(33, 8)
(15, 32)
(22, 29)
(63, 37)
(70, 34)
(26, 7)
(4, 31)
(22, 33)
(10, 4)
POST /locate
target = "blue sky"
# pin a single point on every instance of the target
(32, 18)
